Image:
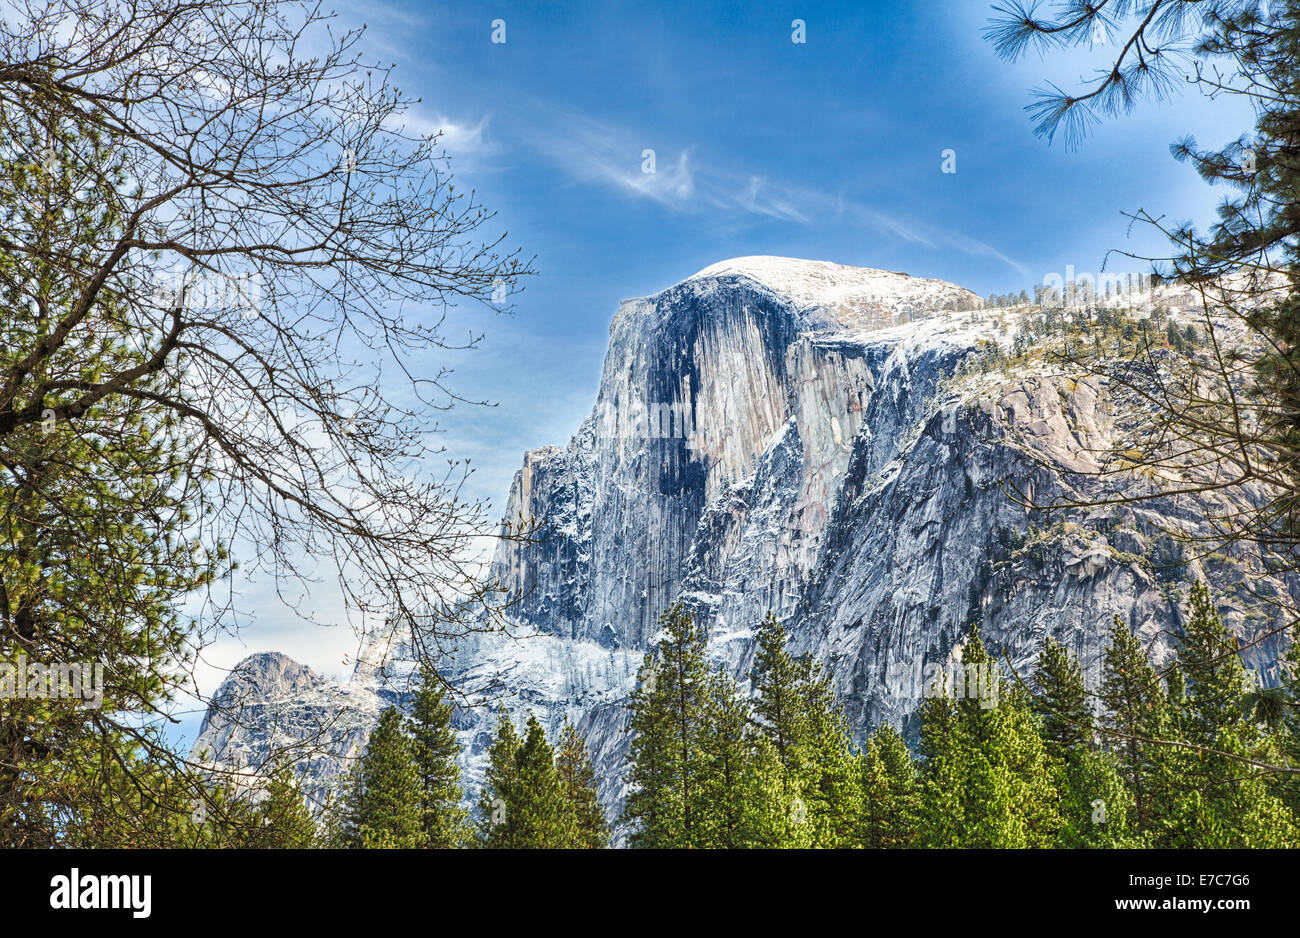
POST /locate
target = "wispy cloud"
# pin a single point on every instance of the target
(589, 151)
(763, 199)
(465, 141)
(976, 247)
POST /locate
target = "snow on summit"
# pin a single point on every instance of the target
(856, 296)
(824, 282)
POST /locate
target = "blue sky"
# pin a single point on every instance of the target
(829, 149)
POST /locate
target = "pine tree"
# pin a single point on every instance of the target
(775, 678)
(499, 787)
(387, 810)
(1278, 712)
(776, 815)
(281, 819)
(890, 796)
(1061, 701)
(339, 817)
(1136, 712)
(1231, 805)
(664, 805)
(444, 822)
(1093, 801)
(986, 780)
(537, 814)
(941, 815)
(798, 713)
(578, 785)
(725, 748)
(829, 770)
(94, 561)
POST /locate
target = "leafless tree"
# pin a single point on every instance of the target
(238, 243)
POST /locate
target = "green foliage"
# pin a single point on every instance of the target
(714, 769)
(444, 822)
(381, 805)
(668, 717)
(280, 819)
(94, 525)
(499, 787)
(1227, 803)
(536, 814)
(800, 717)
(1061, 701)
(589, 828)
(891, 798)
(1137, 718)
(533, 797)
(987, 780)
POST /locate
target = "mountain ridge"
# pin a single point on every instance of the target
(838, 462)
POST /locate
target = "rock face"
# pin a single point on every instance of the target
(270, 703)
(819, 441)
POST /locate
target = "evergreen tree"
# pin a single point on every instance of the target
(386, 810)
(664, 806)
(1095, 804)
(1230, 804)
(941, 818)
(1136, 715)
(726, 775)
(798, 713)
(578, 785)
(500, 787)
(776, 815)
(1093, 801)
(986, 781)
(537, 814)
(95, 510)
(339, 817)
(444, 822)
(890, 796)
(776, 678)
(829, 771)
(1061, 702)
(281, 819)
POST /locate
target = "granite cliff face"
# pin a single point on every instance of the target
(825, 442)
